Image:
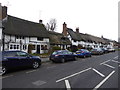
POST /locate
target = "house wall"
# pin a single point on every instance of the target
(22, 43)
(86, 44)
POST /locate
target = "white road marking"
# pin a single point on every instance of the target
(2, 77)
(67, 85)
(109, 66)
(102, 82)
(105, 62)
(115, 57)
(115, 61)
(38, 83)
(98, 72)
(31, 71)
(73, 75)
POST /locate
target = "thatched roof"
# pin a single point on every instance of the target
(85, 37)
(58, 38)
(20, 27)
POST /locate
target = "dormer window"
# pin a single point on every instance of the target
(19, 37)
(40, 38)
(74, 40)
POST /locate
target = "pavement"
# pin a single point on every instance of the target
(97, 72)
(45, 59)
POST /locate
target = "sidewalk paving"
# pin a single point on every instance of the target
(45, 59)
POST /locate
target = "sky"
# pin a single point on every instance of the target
(95, 17)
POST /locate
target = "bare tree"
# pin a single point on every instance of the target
(51, 25)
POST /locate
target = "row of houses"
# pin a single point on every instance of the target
(20, 34)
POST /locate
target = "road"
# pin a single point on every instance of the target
(92, 73)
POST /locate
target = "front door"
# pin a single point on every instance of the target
(38, 49)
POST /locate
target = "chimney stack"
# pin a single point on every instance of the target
(77, 30)
(64, 29)
(41, 21)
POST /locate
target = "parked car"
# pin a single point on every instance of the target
(105, 50)
(18, 59)
(111, 49)
(62, 56)
(83, 53)
(97, 51)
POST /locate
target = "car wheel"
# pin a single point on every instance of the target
(35, 65)
(75, 58)
(63, 60)
(3, 70)
(84, 56)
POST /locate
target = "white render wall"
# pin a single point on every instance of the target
(12, 40)
(83, 43)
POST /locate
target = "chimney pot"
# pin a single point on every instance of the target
(77, 29)
(40, 21)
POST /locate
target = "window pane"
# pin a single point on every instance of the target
(10, 46)
(14, 46)
(17, 46)
(22, 54)
(11, 54)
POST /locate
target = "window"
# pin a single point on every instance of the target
(45, 47)
(11, 47)
(23, 54)
(10, 54)
(74, 40)
(19, 37)
(17, 46)
(65, 52)
(14, 46)
(42, 47)
(24, 47)
(40, 38)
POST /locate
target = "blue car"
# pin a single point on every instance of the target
(17, 59)
(83, 53)
(62, 56)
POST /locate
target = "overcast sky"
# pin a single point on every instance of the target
(95, 17)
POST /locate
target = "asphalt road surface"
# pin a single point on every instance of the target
(96, 72)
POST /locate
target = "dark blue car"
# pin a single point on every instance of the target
(83, 53)
(62, 56)
(17, 59)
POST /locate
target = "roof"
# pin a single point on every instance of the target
(58, 38)
(96, 39)
(85, 37)
(20, 27)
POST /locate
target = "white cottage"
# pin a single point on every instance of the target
(19, 34)
(24, 35)
(83, 40)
